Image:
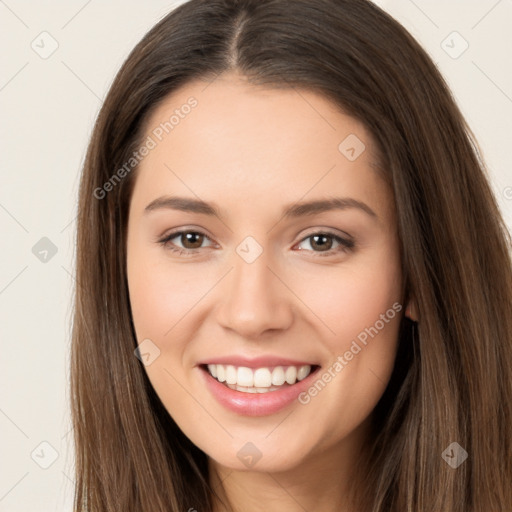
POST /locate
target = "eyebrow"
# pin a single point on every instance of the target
(300, 209)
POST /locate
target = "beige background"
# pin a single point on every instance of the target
(47, 107)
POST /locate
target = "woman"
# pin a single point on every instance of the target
(294, 286)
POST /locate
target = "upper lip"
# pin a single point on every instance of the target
(255, 362)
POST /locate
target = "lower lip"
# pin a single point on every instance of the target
(256, 404)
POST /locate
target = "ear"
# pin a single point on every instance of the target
(411, 310)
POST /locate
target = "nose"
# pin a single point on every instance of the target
(255, 300)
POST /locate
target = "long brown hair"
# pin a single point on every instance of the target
(453, 374)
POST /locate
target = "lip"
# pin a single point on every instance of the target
(255, 404)
(256, 362)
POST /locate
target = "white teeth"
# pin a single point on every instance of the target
(262, 378)
(303, 372)
(259, 380)
(244, 377)
(221, 373)
(212, 368)
(230, 374)
(278, 376)
(246, 389)
(291, 374)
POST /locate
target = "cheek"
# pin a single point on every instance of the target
(362, 308)
(149, 300)
(352, 298)
(159, 304)
(159, 299)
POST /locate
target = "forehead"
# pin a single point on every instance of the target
(228, 137)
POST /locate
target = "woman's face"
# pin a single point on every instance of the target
(288, 263)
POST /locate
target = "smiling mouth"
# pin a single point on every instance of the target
(258, 380)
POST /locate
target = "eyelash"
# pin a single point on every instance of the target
(346, 245)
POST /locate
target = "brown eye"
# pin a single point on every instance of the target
(321, 242)
(191, 240)
(327, 244)
(184, 242)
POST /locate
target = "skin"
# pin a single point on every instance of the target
(252, 151)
